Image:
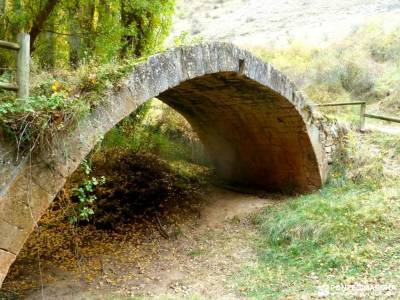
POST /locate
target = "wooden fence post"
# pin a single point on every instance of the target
(23, 65)
(362, 116)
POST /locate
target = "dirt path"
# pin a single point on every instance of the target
(199, 259)
(266, 22)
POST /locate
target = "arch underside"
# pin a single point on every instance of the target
(254, 124)
(254, 137)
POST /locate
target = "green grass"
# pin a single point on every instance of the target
(346, 233)
(187, 297)
(339, 235)
(197, 253)
(389, 144)
(149, 139)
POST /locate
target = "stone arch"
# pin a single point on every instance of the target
(255, 125)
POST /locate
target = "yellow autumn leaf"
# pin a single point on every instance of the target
(56, 86)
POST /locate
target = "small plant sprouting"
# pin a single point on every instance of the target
(85, 195)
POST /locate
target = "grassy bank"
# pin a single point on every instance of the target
(339, 238)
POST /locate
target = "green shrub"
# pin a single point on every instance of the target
(382, 45)
(31, 119)
(356, 79)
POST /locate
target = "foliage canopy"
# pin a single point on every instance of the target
(67, 32)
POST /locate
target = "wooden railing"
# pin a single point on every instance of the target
(23, 55)
(363, 114)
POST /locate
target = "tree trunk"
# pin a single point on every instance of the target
(40, 20)
(124, 22)
(104, 10)
(128, 18)
(134, 45)
(16, 6)
(47, 60)
(3, 10)
(87, 25)
(3, 4)
(74, 46)
(74, 38)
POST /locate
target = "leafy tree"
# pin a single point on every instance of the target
(144, 24)
(66, 32)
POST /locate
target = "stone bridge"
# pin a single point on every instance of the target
(253, 122)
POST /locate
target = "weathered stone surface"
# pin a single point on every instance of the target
(257, 128)
(13, 237)
(8, 161)
(6, 259)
